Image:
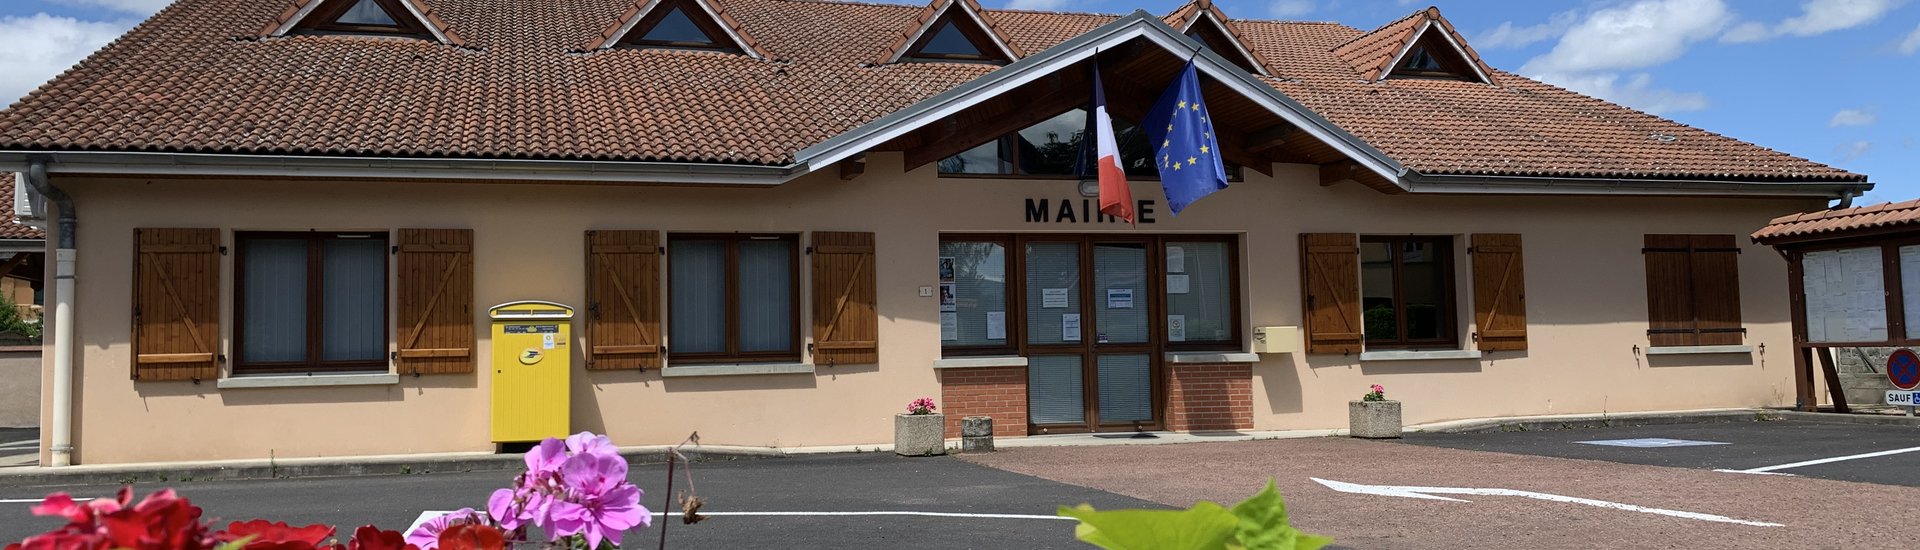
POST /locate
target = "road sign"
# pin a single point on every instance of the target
(1903, 369)
(1901, 397)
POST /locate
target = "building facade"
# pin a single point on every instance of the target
(789, 261)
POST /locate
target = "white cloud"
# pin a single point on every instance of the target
(140, 7)
(1507, 35)
(1852, 117)
(41, 46)
(1641, 34)
(1636, 91)
(1851, 150)
(1816, 17)
(1290, 8)
(1593, 54)
(1037, 5)
(1912, 43)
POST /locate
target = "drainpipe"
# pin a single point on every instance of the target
(1846, 200)
(62, 313)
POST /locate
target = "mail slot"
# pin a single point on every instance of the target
(531, 367)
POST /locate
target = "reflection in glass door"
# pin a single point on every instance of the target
(1056, 392)
(1123, 342)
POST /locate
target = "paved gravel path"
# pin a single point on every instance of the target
(1817, 513)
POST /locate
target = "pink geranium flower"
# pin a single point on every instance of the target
(599, 502)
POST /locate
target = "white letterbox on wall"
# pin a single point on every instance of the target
(1276, 339)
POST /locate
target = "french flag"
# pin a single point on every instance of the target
(1116, 198)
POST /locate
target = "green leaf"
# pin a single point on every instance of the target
(1262, 524)
(1205, 526)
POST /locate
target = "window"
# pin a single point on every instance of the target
(1201, 280)
(1406, 292)
(733, 298)
(670, 26)
(955, 37)
(311, 302)
(1212, 36)
(1434, 56)
(364, 17)
(1420, 61)
(1053, 148)
(1693, 290)
(973, 291)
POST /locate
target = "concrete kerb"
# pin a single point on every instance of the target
(1578, 421)
(1874, 419)
(170, 472)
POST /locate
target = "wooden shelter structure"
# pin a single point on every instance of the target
(1854, 278)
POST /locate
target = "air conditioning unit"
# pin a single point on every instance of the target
(28, 206)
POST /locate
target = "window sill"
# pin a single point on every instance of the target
(736, 369)
(978, 362)
(1697, 350)
(308, 380)
(1410, 355)
(1211, 357)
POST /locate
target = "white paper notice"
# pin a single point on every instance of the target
(996, 325)
(1070, 327)
(1177, 283)
(546, 340)
(949, 325)
(1176, 259)
(1119, 298)
(1053, 297)
(1176, 328)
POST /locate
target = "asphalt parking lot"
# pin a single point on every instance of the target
(832, 495)
(1882, 454)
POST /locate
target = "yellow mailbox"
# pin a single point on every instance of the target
(531, 365)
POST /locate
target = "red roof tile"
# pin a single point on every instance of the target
(9, 227)
(192, 79)
(1840, 222)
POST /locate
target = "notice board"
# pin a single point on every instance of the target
(1845, 294)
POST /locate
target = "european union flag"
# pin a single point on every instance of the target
(1184, 145)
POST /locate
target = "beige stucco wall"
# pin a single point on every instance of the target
(20, 388)
(1585, 289)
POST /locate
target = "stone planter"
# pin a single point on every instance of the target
(1373, 419)
(920, 434)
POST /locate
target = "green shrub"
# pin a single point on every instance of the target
(1258, 523)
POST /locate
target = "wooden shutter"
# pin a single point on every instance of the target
(1693, 290)
(435, 294)
(1330, 288)
(176, 304)
(846, 324)
(1716, 290)
(623, 300)
(1499, 292)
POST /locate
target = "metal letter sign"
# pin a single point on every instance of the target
(1903, 369)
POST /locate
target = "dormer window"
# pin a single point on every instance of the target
(363, 17)
(954, 39)
(677, 25)
(673, 28)
(1423, 45)
(403, 18)
(949, 31)
(1211, 35)
(1419, 61)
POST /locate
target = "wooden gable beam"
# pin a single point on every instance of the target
(853, 167)
(1268, 138)
(1336, 172)
(951, 138)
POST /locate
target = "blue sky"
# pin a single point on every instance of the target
(1829, 80)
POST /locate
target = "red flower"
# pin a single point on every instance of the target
(471, 536)
(275, 535)
(159, 522)
(368, 537)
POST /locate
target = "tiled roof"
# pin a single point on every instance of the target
(1840, 222)
(612, 34)
(904, 39)
(197, 78)
(1371, 54)
(10, 228)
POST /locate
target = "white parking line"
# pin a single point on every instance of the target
(1816, 462)
(19, 500)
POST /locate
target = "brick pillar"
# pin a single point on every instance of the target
(1209, 397)
(999, 392)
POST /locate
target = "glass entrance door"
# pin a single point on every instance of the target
(1090, 339)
